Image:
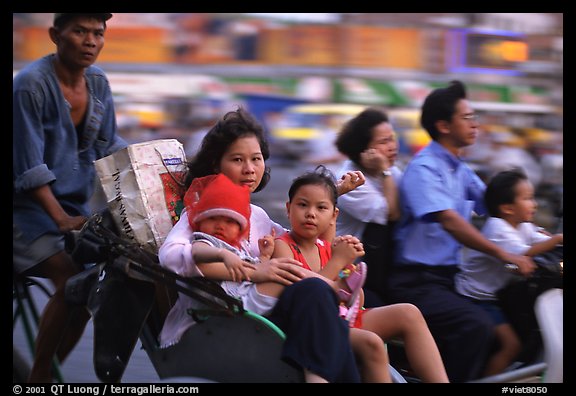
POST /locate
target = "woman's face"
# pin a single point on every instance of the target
(384, 141)
(243, 162)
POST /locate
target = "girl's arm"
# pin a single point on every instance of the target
(348, 182)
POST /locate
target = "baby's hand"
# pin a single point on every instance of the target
(236, 266)
(266, 246)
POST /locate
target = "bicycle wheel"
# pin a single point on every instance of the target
(20, 367)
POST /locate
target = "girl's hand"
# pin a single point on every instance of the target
(349, 181)
(347, 247)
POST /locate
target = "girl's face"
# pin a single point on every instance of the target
(311, 211)
(384, 141)
(524, 206)
(221, 227)
(243, 162)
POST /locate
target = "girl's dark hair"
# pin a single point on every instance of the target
(501, 190)
(440, 105)
(356, 134)
(232, 126)
(321, 176)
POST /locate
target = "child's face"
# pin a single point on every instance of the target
(524, 206)
(311, 211)
(221, 227)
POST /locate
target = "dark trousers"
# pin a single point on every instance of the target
(379, 255)
(317, 338)
(463, 331)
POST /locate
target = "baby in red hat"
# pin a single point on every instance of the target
(219, 214)
(219, 207)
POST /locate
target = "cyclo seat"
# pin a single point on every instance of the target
(227, 344)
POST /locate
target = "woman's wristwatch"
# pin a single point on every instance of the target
(386, 173)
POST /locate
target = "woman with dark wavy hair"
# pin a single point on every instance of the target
(370, 211)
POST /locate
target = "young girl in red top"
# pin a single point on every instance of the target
(312, 209)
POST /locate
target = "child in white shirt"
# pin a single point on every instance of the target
(510, 202)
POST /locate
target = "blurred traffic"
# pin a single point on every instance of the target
(304, 75)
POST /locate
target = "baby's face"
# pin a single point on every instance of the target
(221, 227)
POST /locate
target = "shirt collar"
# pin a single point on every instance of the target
(445, 155)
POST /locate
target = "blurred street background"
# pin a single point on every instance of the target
(174, 74)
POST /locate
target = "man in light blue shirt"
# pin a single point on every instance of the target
(63, 120)
(438, 193)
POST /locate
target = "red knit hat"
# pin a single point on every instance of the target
(217, 195)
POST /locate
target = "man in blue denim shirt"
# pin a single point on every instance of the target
(63, 120)
(438, 194)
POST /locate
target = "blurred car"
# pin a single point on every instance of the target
(411, 136)
(308, 131)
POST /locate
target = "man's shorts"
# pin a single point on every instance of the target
(28, 254)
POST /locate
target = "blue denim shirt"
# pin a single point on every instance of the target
(47, 149)
(433, 181)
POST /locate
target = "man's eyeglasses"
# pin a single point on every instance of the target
(470, 117)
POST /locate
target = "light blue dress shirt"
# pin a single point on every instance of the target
(434, 180)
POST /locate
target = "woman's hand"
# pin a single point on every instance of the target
(374, 161)
(281, 270)
(349, 181)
